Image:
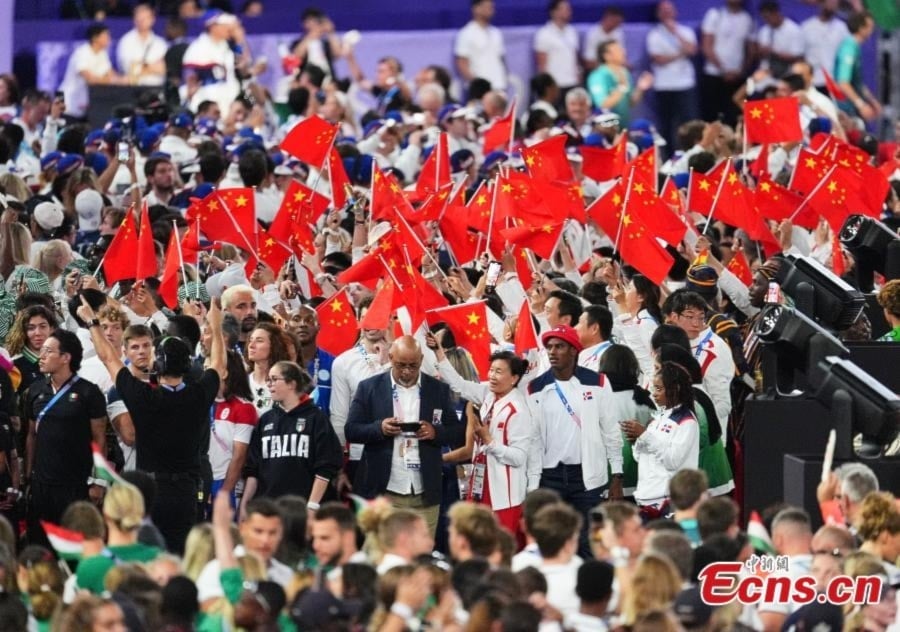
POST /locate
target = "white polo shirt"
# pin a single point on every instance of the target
(483, 47)
(561, 47)
(74, 86)
(787, 39)
(677, 75)
(821, 41)
(596, 36)
(730, 32)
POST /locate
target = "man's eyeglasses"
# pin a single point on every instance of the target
(694, 318)
(271, 379)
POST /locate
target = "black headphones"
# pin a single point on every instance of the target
(172, 357)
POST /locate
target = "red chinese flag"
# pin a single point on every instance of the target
(337, 176)
(387, 196)
(671, 196)
(468, 322)
(435, 173)
(462, 240)
(271, 251)
(147, 266)
(645, 169)
(378, 316)
(565, 198)
(833, 88)
(300, 207)
(739, 267)
(834, 198)
(240, 206)
(525, 338)
(499, 135)
(636, 244)
(702, 189)
(371, 267)
(778, 203)
(541, 239)
(773, 120)
(837, 255)
(310, 140)
(809, 171)
(118, 264)
(517, 197)
(760, 165)
(478, 208)
(548, 160)
(654, 213)
(604, 164)
(190, 245)
(168, 286)
(338, 327)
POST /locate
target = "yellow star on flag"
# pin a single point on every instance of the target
(704, 185)
(765, 187)
(530, 161)
(473, 318)
(299, 196)
(506, 188)
(638, 188)
(481, 200)
(626, 220)
(832, 186)
(811, 163)
(337, 306)
(732, 178)
(755, 113)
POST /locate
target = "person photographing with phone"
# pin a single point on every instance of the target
(403, 417)
(169, 418)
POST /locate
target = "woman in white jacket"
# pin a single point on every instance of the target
(502, 435)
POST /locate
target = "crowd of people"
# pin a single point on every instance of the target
(369, 354)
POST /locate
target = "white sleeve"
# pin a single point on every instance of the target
(512, 294)
(408, 162)
(463, 46)
(589, 48)
(795, 40)
(541, 43)
(535, 450)
(82, 60)
(654, 44)
(739, 294)
(340, 399)
(475, 392)
(612, 434)
(636, 337)
(674, 449)
(710, 22)
(519, 436)
(121, 61)
(242, 433)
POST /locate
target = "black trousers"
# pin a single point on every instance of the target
(716, 99)
(48, 502)
(175, 511)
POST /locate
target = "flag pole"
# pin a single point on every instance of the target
(180, 257)
(744, 168)
(813, 192)
(322, 167)
(622, 212)
(512, 126)
(100, 265)
(197, 289)
(424, 248)
(491, 218)
(437, 162)
(390, 272)
(716, 198)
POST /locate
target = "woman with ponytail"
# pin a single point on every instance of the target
(123, 512)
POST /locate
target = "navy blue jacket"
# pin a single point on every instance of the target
(372, 404)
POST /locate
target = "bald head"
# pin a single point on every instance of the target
(406, 359)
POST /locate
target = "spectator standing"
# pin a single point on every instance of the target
(726, 34)
(611, 85)
(140, 54)
(556, 46)
(848, 69)
(779, 41)
(88, 65)
(671, 46)
(209, 63)
(822, 35)
(608, 29)
(479, 48)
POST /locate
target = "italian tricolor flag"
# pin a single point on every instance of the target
(103, 468)
(758, 535)
(67, 544)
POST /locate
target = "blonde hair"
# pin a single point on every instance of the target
(877, 514)
(112, 313)
(45, 588)
(654, 586)
(199, 549)
(46, 259)
(18, 243)
(124, 507)
(15, 186)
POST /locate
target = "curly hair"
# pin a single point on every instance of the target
(279, 344)
(889, 297)
(17, 338)
(877, 514)
(677, 383)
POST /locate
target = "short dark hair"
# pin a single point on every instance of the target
(341, 514)
(252, 167)
(716, 516)
(69, 343)
(769, 6)
(856, 21)
(602, 317)
(517, 366)
(146, 484)
(668, 333)
(265, 507)
(702, 162)
(94, 30)
(136, 331)
(554, 4)
(186, 328)
(312, 12)
(542, 82)
(554, 525)
(212, 166)
(595, 581)
(536, 500)
(682, 299)
(152, 163)
(569, 305)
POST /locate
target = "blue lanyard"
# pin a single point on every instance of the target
(56, 398)
(702, 344)
(566, 404)
(603, 346)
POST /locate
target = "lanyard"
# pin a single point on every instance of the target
(603, 346)
(315, 370)
(702, 344)
(398, 411)
(212, 428)
(65, 389)
(568, 406)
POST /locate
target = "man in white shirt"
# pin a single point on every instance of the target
(779, 41)
(822, 35)
(160, 174)
(209, 64)
(556, 529)
(608, 29)
(726, 33)
(595, 332)
(140, 54)
(479, 47)
(88, 65)
(556, 46)
(671, 46)
(406, 536)
(261, 532)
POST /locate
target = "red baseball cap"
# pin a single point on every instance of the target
(564, 333)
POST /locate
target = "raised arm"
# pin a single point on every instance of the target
(109, 356)
(217, 346)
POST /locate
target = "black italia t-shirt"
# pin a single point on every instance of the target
(62, 451)
(168, 423)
